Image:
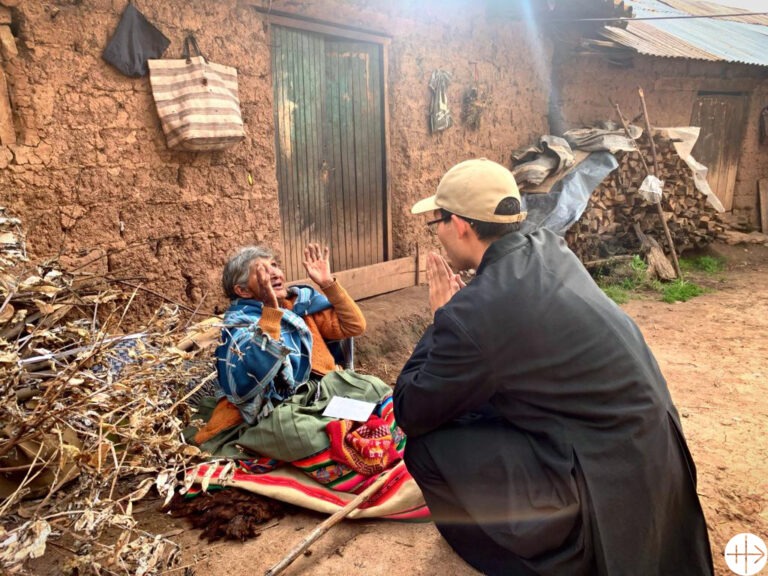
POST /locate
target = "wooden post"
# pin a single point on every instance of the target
(656, 173)
(629, 135)
(418, 262)
(656, 170)
(762, 186)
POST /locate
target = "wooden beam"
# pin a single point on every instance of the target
(315, 25)
(762, 186)
(387, 162)
(421, 259)
(376, 279)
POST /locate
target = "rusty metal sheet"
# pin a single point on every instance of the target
(712, 39)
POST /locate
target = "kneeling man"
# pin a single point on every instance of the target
(540, 428)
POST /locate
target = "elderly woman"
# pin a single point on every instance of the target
(275, 353)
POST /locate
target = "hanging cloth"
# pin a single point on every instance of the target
(134, 42)
(439, 114)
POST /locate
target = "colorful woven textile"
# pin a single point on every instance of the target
(339, 475)
(399, 498)
(259, 465)
(367, 448)
(248, 360)
(322, 484)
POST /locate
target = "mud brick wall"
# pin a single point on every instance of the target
(91, 177)
(670, 87)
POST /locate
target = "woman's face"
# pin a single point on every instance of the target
(276, 279)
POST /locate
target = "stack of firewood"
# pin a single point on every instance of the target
(606, 227)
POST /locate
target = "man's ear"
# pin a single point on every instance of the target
(461, 226)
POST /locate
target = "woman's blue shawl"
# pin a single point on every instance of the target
(249, 360)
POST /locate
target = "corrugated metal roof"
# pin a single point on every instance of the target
(649, 40)
(713, 39)
(702, 8)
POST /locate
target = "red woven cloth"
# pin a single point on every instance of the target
(366, 448)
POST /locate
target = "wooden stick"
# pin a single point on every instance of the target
(165, 298)
(629, 135)
(326, 525)
(762, 190)
(657, 172)
(608, 261)
(418, 262)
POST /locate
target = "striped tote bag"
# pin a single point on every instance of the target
(197, 101)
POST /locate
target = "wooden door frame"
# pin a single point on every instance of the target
(348, 33)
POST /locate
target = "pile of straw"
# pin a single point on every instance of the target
(90, 416)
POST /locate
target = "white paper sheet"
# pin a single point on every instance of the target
(349, 409)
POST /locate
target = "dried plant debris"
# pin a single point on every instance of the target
(12, 242)
(230, 514)
(473, 104)
(91, 416)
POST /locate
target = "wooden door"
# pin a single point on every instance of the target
(330, 147)
(722, 118)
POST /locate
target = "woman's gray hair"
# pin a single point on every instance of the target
(237, 270)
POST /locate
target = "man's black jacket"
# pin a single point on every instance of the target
(592, 471)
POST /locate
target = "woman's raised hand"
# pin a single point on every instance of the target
(266, 292)
(318, 265)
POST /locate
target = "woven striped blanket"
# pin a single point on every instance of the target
(321, 483)
(399, 498)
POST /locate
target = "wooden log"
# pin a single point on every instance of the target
(603, 262)
(658, 265)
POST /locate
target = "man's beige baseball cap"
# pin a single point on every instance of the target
(473, 189)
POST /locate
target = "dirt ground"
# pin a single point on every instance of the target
(713, 351)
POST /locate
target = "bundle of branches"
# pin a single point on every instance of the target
(90, 417)
(607, 226)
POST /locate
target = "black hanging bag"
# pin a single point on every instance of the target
(134, 42)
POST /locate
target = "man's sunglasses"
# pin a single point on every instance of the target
(443, 218)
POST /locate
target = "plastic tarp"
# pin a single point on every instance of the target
(684, 138)
(568, 199)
